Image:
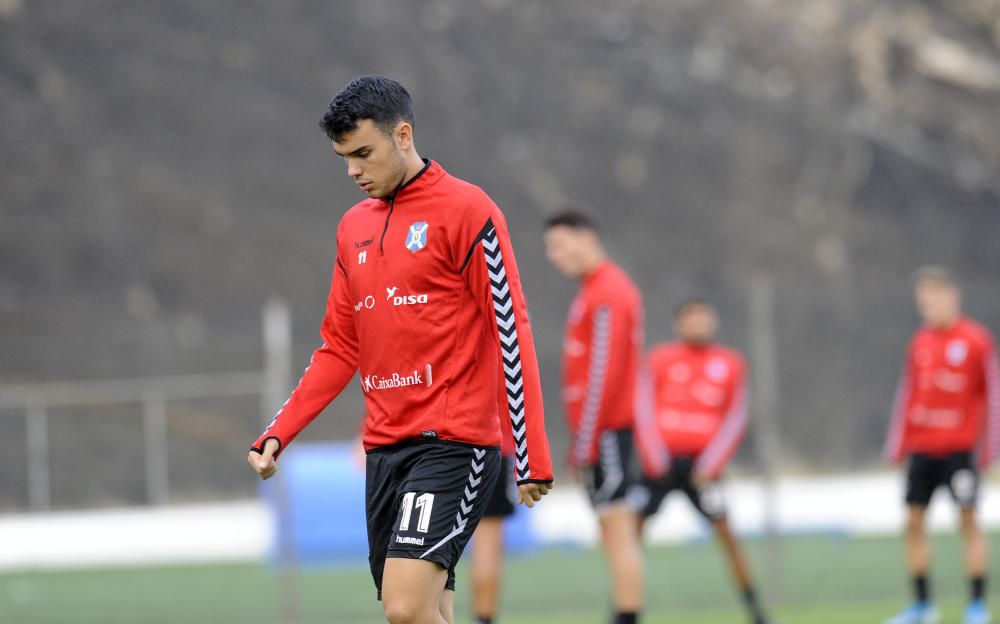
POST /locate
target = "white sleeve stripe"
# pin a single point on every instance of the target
(992, 373)
(645, 422)
(732, 429)
(600, 353)
(897, 425)
(281, 409)
(510, 352)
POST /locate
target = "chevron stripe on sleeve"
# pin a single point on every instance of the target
(503, 307)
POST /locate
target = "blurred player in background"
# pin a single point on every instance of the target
(700, 400)
(946, 420)
(487, 543)
(426, 302)
(602, 352)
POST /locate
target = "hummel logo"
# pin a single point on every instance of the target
(417, 541)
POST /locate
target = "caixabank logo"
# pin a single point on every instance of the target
(372, 383)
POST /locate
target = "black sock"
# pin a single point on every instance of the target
(750, 600)
(921, 589)
(978, 587)
(626, 618)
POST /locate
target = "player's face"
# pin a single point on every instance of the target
(697, 324)
(939, 303)
(565, 248)
(374, 159)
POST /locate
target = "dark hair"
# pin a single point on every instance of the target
(378, 98)
(935, 273)
(571, 219)
(692, 302)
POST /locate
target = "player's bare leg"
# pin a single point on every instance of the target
(413, 591)
(918, 547)
(976, 547)
(734, 554)
(621, 546)
(447, 607)
(918, 558)
(976, 565)
(487, 563)
(738, 566)
(640, 523)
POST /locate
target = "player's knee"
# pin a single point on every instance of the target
(447, 612)
(404, 610)
(915, 526)
(968, 522)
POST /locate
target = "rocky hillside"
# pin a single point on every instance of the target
(163, 175)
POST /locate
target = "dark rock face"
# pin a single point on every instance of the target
(163, 175)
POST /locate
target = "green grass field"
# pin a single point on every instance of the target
(818, 581)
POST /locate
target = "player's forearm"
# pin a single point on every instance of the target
(324, 379)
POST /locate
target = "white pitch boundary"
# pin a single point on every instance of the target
(859, 504)
(136, 536)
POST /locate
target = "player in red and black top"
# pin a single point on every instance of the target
(946, 420)
(426, 302)
(700, 401)
(602, 352)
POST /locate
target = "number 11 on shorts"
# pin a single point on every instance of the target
(424, 504)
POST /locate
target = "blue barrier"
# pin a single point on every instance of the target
(318, 502)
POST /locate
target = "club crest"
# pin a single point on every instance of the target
(417, 238)
(956, 352)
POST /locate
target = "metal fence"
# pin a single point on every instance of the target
(151, 395)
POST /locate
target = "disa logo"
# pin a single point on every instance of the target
(401, 300)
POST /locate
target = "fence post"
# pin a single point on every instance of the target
(277, 321)
(154, 426)
(37, 434)
(764, 399)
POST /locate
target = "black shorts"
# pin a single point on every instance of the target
(609, 480)
(503, 500)
(956, 471)
(424, 500)
(647, 497)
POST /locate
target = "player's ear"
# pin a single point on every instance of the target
(404, 135)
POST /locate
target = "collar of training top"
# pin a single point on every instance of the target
(428, 175)
(601, 268)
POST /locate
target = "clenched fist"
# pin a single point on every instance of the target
(263, 463)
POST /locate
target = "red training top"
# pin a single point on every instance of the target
(948, 398)
(602, 352)
(426, 302)
(701, 401)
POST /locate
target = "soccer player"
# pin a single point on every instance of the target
(426, 302)
(946, 420)
(700, 403)
(488, 544)
(602, 350)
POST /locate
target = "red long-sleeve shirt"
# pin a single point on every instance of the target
(427, 303)
(948, 398)
(602, 351)
(701, 401)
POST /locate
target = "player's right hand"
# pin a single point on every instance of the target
(263, 463)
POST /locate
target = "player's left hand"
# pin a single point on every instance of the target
(530, 493)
